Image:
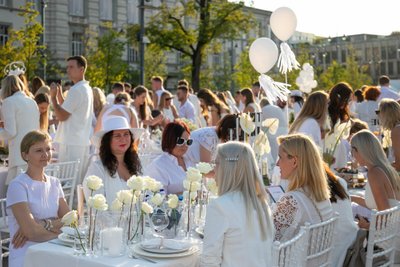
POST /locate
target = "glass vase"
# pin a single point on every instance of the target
(111, 226)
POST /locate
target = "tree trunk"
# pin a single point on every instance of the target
(196, 66)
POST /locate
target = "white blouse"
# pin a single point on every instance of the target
(112, 184)
(204, 137)
(311, 128)
(231, 238)
(294, 209)
(165, 168)
(366, 112)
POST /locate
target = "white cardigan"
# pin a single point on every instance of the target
(20, 115)
(231, 239)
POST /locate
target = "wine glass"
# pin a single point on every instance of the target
(159, 221)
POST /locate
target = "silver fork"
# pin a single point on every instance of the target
(133, 256)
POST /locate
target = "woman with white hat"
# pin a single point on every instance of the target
(118, 157)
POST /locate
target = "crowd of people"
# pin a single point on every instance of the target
(104, 133)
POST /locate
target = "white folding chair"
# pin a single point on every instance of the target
(67, 172)
(384, 227)
(4, 231)
(291, 253)
(320, 242)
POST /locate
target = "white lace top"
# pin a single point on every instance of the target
(205, 137)
(294, 209)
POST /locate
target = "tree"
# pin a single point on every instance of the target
(23, 44)
(191, 25)
(105, 61)
(245, 75)
(154, 62)
(334, 74)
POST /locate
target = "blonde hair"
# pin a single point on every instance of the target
(32, 138)
(10, 85)
(43, 90)
(309, 173)
(162, 100)
(314, 107)
(123, 99)
(99, 100)
(368, 145)
(389, 115)
(237, 171)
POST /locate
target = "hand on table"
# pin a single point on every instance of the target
(19, 239)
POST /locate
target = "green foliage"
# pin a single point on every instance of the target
(23, 44)
(190, 27)
(245, 75)
(105, 62)
(154, 62)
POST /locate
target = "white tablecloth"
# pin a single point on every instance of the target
(3, 178)
(48, 254)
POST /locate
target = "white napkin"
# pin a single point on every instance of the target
(167, 243)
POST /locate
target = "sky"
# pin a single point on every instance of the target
(339, 17)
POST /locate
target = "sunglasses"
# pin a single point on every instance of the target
(181, 141)
(377, 112)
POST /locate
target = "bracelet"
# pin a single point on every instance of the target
(49, 225)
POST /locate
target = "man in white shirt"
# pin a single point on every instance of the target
(386, 91)
(186, 109)
(75, 116)
(194, 100)
(115, 90)
(158, 89)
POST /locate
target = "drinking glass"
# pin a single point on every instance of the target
(159, 221)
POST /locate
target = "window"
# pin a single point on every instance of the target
(132, 12)
(77, 44)
(3, 2)
(133, 55)
(106, 8)
(216, 59)
(76, 8)
(390, 68)
(3, 34)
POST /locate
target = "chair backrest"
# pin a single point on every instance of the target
(320, 242)
(3, 215)
(383, 230)
(292, 252)
(67, 172)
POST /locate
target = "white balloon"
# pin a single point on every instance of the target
(299, 81)
(283, 23)
(263, 54)
(314, 84)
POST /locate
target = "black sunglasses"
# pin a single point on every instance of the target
(181, 141)
(377, 112)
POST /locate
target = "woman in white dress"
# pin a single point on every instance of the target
(312, 117)
(20, 115)
(366, 110)
(205, 140)
(35, 201)
(118, 157)
(389, 117)
(167, 108)
(248, 100)
(382, 190)
(142, 108)
(238, 229)
(170, 167)
(307, 197)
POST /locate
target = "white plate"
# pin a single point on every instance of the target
(164, 250)
(66, 238)
(200, 232)
(139, 251)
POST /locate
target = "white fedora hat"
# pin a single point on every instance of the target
(114, 123)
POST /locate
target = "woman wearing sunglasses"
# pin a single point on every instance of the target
(167, 108)
(170, 167)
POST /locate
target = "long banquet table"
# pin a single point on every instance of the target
(50, 254)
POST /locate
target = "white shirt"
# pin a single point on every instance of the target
(42, 199)
(112, 184)
(311, 128)
(20, 115)
(366, 112)
(386, 92)
(231, 239)
(159, 92)
(168, 114)
(205, 137)
(186, 110)
(76, 129)
(165, 168)
(110, 99)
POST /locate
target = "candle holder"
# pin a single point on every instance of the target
(112, 228)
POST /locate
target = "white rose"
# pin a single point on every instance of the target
(98, 202)
(71, 218)
(157, 199)
(146, 208)
(193, 195)
(246, 123)
(148, 183)
(193, 174)
(173, 201)
(135, 183)
(191, 186)
(125, 196)
(93, 182)
(116, 205)
(204, 167)
(156, 186)
(271, 124)
(212, 186)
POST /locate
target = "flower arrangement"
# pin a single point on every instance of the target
(71, 219)
(174, 214)
(98, 203)
(271, 125)
(189, 123)
(331, 141)
(246, 123)
(192, 183)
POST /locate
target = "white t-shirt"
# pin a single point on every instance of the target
(387, 92)
(311, 128)
(76, 129)
(42, 199)
(187, 111)
(366, 112)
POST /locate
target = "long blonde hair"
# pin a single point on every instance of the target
(309, 174)
(368, 145)
(316, 107)
(389, 115)
(10, 85)
(99, 100)
(237, 171)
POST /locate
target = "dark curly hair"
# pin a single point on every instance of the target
(131, 157)
(339, 98)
